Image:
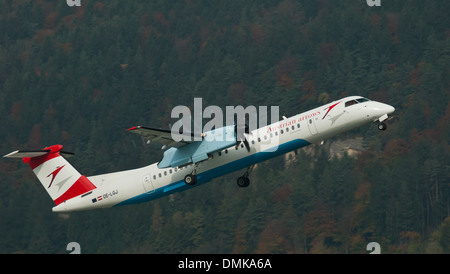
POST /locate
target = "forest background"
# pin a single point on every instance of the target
(80, 76)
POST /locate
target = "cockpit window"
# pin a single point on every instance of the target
(349, 103)
(357, 101)
(360, 100)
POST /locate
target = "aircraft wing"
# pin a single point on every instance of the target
(186, 152)
(161, 136)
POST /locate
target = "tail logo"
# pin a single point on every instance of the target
(54, 173)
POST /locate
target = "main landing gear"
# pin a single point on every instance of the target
(244, 181)
(191, 179)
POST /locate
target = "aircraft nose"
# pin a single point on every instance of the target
(389, 109)
(377, 109)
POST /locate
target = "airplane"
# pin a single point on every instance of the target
(187, 164)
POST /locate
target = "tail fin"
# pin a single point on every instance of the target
(61, 180)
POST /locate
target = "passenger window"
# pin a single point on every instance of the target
(298, 125)
(154, 177)
(287, 129)
(159, 175)
(165, 173)
(276, 133)
(293, 127)
(170, 171)
(281, 131)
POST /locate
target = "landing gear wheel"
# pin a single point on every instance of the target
(382, 126)
(190, 179)
(243, 181)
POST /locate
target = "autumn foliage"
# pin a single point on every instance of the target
(80, 76)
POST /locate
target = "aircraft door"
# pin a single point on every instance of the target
(148, 185)
(312, 126)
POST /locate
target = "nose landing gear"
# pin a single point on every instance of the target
(382, 126)
(381, 120)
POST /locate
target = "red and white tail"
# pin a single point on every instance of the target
(61, 180)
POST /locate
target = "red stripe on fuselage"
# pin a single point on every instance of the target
(82, 185)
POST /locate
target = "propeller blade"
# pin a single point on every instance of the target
(243, 138)
(247, 145)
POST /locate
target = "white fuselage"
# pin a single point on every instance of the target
(150, 182)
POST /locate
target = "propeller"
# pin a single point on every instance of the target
(242, 129)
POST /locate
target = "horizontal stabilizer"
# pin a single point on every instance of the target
(26, 153)
(34, 153)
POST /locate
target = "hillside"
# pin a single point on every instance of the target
(80, 76)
